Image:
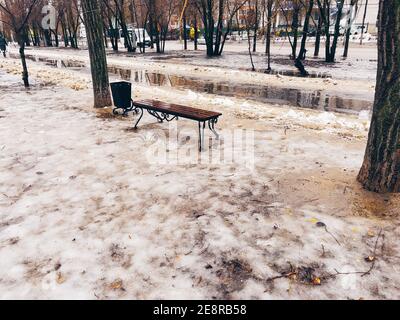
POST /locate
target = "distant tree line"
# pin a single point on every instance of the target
(215, 18)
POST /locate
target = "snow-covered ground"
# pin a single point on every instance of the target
(90, 208)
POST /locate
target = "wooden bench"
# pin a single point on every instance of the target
(168, 112)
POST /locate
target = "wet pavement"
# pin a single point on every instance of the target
(310, 99)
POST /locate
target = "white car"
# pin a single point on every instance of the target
(139, 36)
(142, 37)
(201, 41)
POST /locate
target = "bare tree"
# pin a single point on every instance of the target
(318, 32)
(351, 13)
(269, 7)
(97, 52)
(308, 5)
(381, 167)
(164, 15)
(363, 22)
(325, 14)
(17, 13)
(214, 13)
(250, 22)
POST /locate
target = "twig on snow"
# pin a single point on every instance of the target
(374, 255)
(365, 273)
(326, 229)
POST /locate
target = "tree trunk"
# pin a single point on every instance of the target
(268, 35)
(256, 27)
(380, 170)
(352, 13)
(347, 43)
(196, 34)
(25, 74)
(185, 40)
(327, 32)
(253, 68)
(363, 22)
(208, 21)
(65, 34)
(302, 53)
(124, 27)
(97, 53)
(218, 32)
(332, 53)
(318, 37)
(295, 27)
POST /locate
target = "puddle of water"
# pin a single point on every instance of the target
(318, 99)
(186, 58)
(52, 62)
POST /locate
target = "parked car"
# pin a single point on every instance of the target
(142, 38)
(235, 36)
(139, 36)
(202, 41)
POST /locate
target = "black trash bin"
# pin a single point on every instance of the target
(122, 96)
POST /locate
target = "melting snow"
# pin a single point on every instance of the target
(85, 214)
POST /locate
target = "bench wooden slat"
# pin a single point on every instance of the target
(177, 110)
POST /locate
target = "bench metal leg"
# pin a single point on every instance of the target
(202, 127)
(211, 125)
(141, 116)
(161, 117)
(125, 111)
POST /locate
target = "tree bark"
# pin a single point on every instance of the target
(352, 12)
(363, 22)
(268, 33)
(185, 40)
(381, 166)
(97, 53)
(196, 34)
(25, 74)
(332, 53)
(295, 27)
(256, 26)
(318, 37)
(302, 53)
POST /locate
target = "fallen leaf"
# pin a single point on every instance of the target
(116, 285)
(371, 234)
(293, 276)
(313, 220)
(370, 259)
(316, 281)
(289, 211)
(60, 279)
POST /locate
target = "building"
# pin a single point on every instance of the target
(282, 20)
(369, 8)
(371, 17)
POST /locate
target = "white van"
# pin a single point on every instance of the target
(142, 37)
(139, 37)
